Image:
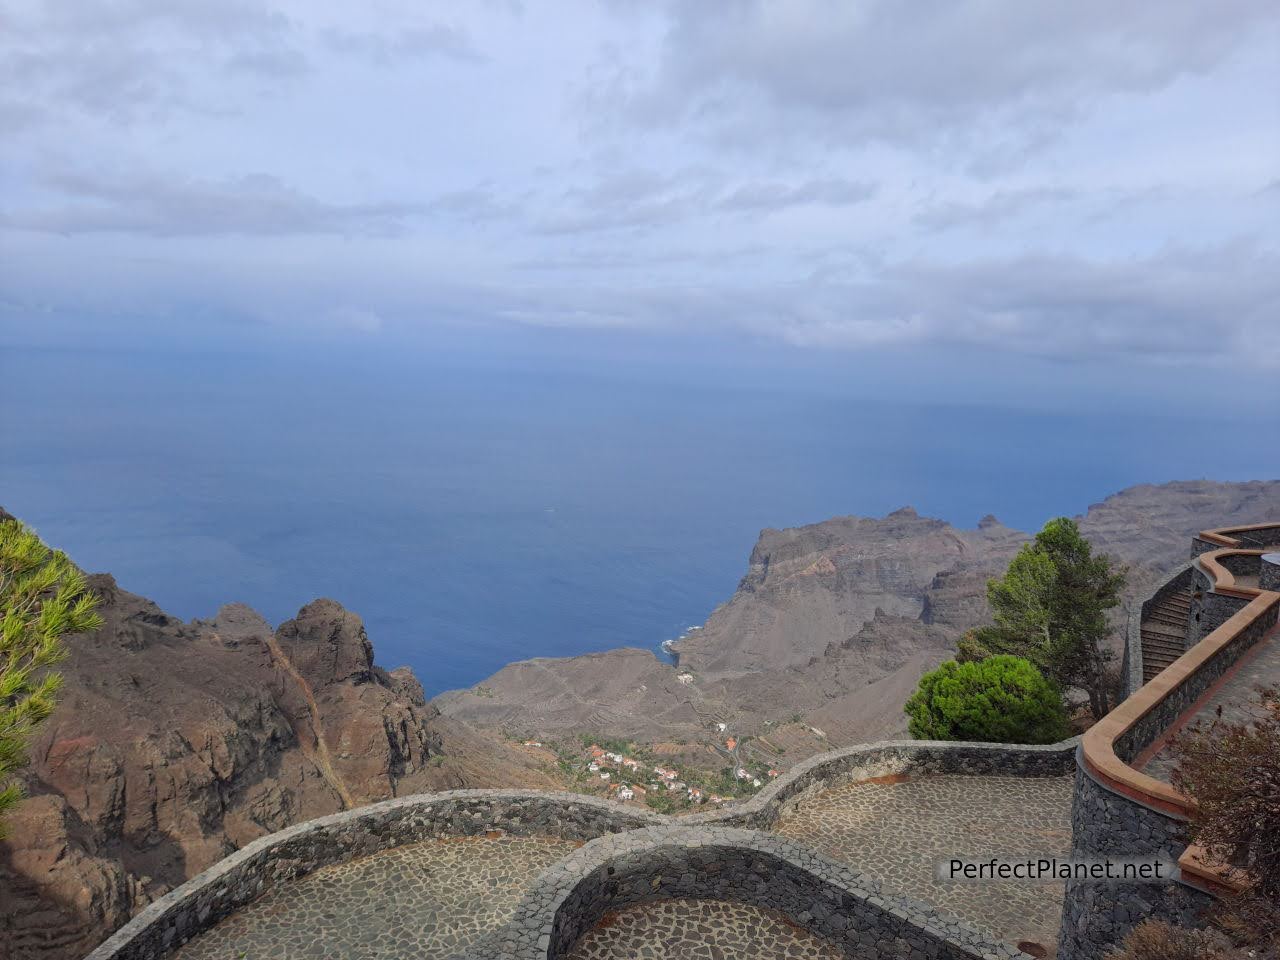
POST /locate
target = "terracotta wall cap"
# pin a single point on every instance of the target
(1098, 745)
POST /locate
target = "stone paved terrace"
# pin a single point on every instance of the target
(424, 900)
(895, 830)
(1233, 695)
(700, 930)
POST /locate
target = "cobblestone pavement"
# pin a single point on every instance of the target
(700, 930)
(423, 901)
(896, 832)
(1236, 699)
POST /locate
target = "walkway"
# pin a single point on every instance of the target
(897, 832)
(1232, 697)
(700, 930)
(427, 900)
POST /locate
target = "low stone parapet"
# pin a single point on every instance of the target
(299, 850)
(889, 758)
(726, 864)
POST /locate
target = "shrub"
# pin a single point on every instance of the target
(1251, 922)
(1232, 771)
(42, 599)
(1157, 940)
(1002, 699)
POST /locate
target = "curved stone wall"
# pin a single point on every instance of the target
(717, 863)
(1250, 535)
(292, 853)
(891, 758)
(289, 854)
(1097, 915)
(1119, 810)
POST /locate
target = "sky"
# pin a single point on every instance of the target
(1057, 182)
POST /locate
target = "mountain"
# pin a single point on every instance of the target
(176, 743)
(833, 624)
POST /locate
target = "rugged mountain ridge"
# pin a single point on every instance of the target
(834, 622)
(175, 744)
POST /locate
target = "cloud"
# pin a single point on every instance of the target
(640, 199)
(998, 206)
(1187, 305)
(1193, 306)
(936, 73)
(160, 206)
(773, 195)
(130, 59)
(386, 49)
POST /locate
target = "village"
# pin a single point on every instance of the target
(629, 773)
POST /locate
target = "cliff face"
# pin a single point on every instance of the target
(174, 744)
(809, 586)
(835, 622)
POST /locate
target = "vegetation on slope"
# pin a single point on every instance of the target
(43, 599)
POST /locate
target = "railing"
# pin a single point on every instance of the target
(1111, 745)
(1245, 536)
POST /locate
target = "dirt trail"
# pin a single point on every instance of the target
(320, 756)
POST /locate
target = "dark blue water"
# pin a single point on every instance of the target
(478, 508)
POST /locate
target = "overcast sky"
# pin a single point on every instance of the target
(1060, 179)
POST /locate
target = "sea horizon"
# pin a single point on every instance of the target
(477, 513)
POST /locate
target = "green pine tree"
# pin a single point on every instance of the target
(43, 598)
(1051, 607)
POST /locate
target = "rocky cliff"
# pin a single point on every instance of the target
(834, 623)
(176, 743)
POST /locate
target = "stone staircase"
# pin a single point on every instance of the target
(1164, 632)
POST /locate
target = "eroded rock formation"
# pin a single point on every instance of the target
(176, 743)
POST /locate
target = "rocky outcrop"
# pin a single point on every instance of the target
(809, 586)
(176, 743)
(835, 622)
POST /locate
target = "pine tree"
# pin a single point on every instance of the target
(1001, 699)
(43, 598)
(1051, 607)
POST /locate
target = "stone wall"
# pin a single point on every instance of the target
(288, 854)
(1107, 823)
(1244, 538)
(744, 866)
(1209, 611)
(888, 758)
(1162, 715)
(1097, 915)
(1269, 572)
(1258, 538)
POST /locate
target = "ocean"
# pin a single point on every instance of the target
(477, 507)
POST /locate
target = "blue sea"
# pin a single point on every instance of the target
(521, 495)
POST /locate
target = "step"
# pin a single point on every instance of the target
(1155, 648)
(1151, 652)
(1163, 630)
(1178, 623)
